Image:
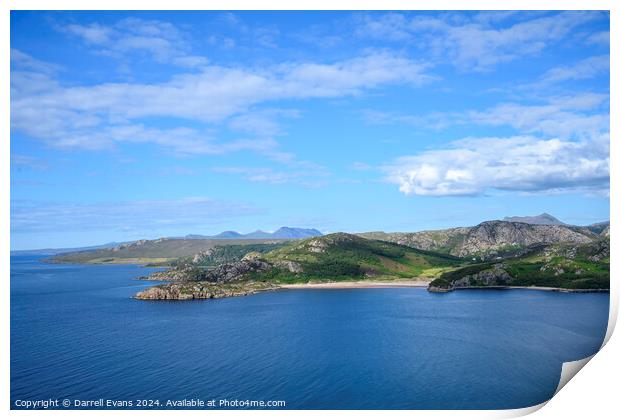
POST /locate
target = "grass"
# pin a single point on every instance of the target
(544, 269)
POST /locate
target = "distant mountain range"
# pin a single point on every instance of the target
(282, 233)
(541, 219)
(486, 240)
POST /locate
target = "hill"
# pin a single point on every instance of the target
(158, 251)
(564, 266)
(488, 239)
(341, 257)
(334, 257)
(541, 219)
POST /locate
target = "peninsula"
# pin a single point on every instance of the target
(496, 254)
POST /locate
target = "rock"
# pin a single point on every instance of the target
(488, 238)
(292, 266)
(201, 290)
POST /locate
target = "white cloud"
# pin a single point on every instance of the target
(580, 116)
(20, 162)
(21, 60)
(476, 43)
(146, 215)
(100, 116)
(600, 38)
(584, 69)
(559, 117)
(160, 40)
(528, 164)
(305, 175)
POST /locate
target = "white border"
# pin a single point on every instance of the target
(592, 395)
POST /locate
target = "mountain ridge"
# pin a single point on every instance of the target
(284, 232)
(541, 219)
(488, 239)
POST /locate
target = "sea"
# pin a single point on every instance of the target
(79, 341)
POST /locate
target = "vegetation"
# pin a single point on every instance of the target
(221, 254)
(344, 255)
(565, 266)
(165, 249)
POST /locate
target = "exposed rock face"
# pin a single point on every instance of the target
(494, 276)
(605, 232)
(201, 290)
(292, 266)
(487, 238)
(493, 235)
(600, 250)
(236, 271)
(223, 273)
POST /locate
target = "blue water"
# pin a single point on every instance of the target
(76, 334)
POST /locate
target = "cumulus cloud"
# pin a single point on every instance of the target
(147, 215)
(476, 166)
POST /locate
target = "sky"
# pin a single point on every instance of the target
(129, 125)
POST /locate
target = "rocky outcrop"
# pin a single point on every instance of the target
(223, 273)
(202, 290)
(292, 266)
(494, 235)
(495, 276)
(605, 232)
(236, 271)
(488, 239)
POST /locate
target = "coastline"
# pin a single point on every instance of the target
(357, 284)
(540, 288)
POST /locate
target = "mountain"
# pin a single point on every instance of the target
(166, 250)
(541, 219)
(562, 266)
(601, 228)
(295, 233)
(282, 233)
(228, 234)
(487, 239)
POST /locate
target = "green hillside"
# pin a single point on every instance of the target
(341, 256)
(566, 266)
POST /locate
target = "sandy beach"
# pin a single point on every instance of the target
(358, 284)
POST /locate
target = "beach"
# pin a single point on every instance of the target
(359, 284)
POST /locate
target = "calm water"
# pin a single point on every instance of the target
(76, 334)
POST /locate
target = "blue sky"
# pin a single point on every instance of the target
(128, 125)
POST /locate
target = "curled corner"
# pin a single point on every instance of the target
(569, 370)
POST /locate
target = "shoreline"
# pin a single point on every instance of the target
(175, 290)
(357, 284)
(539, 288)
